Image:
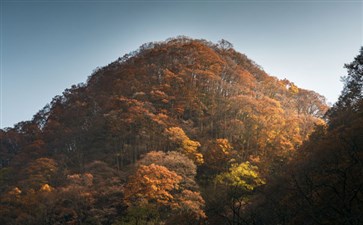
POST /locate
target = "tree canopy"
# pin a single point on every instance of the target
(182, 131)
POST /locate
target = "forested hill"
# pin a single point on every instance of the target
(175, 132)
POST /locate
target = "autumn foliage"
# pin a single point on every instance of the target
(182, 131)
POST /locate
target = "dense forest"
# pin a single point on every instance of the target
(186, 131)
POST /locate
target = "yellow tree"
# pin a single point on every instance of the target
(183, 144)
(236, 185)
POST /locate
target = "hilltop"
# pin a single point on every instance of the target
(156, 131)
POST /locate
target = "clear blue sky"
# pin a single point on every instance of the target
(46, 46)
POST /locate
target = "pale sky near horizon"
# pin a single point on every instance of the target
(48, 45)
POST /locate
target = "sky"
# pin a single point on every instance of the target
(47, 46)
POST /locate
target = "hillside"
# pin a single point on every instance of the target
(176, 131)
(323, 185)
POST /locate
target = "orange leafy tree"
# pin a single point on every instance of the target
(153, 184)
